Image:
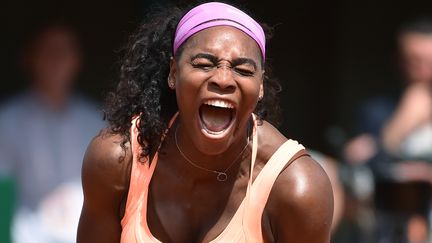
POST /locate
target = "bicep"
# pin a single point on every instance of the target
(301, 204)
(99, 221)
(98, 227)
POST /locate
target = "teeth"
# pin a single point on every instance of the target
(219, 103)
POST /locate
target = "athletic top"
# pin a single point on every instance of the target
(245, 225)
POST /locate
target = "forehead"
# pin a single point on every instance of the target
(417, 43)
(223, 41)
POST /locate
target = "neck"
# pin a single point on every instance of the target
(55, 99)
(218, 167)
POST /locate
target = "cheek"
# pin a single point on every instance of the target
(250, 93)
(187, 90)
(252, 87)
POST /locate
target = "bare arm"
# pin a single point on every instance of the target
(105, 179)
(414, 110)
(300, 206)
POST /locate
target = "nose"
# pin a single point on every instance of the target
(223, 80)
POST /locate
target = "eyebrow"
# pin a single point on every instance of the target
(235, 62)
(207, 56)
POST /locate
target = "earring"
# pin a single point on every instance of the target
(171, 83)
(260, 98)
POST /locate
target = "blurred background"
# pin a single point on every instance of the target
(356, 78)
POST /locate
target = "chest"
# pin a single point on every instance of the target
(198, 212)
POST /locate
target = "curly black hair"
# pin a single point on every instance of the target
(143, 90)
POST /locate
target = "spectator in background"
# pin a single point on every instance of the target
(44, 133)
(407, 134)
(396, 141)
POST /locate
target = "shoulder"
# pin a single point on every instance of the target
(106, 167)
(303, 181)
(15, 103)
(302, 184)
(300, 205)
(269, 139)
(106, 149)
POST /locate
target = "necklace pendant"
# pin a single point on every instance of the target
(221, 176)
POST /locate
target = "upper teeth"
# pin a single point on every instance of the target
(219, 103)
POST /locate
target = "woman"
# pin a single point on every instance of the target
(215, 171)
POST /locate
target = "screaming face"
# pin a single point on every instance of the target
(218, 78)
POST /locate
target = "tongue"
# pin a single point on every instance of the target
(214, 118)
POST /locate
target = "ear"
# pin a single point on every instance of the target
(172, 74)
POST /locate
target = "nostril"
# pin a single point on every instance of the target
(225, 87)
(223, 79)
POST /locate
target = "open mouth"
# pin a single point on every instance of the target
(216, 116)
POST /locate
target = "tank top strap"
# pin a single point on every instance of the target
(262, 185)
(141, 171)
(254, 154)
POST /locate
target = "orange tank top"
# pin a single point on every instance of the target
(245, 225)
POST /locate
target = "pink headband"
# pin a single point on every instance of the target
(215, 14)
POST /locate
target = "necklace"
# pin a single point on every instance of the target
(220, 175)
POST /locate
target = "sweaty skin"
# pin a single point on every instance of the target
(187, 204)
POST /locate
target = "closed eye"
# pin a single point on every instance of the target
(203, 61)
(244, 66)
(203, 65)
(244, 71)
